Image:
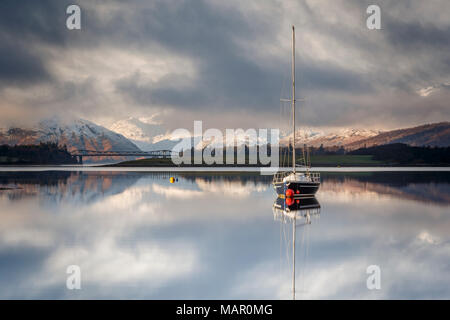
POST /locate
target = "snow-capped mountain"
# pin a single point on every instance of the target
(143, 132)
(76, 134)
(148, 134)
(81, 134)
(433, 134)
(151, 135)
(316, 138)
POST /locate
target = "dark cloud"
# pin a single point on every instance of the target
(34, 21)
(239, 53)
(227, 77)
(417, 35)
(208, 36)
(24, 27)
(19, 66)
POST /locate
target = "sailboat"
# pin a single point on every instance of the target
(296, 184)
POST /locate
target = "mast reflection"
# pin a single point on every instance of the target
(299, 213)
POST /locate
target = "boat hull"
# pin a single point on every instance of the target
(301, 189)
(298, 205)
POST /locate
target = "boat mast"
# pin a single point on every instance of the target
(293, 98)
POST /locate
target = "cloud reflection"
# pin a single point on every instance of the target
(135, 235)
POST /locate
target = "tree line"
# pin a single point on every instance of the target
(43, 153)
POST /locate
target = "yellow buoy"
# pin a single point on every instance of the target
(172, 179)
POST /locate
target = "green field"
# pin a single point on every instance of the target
(343, 160)
(155, 162)
(325, 160)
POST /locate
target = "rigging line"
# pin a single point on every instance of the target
(283, 88)
(307, 249)
(302, 273)
(281, 240)
(286, 244)
(283, 118)
(306, 256)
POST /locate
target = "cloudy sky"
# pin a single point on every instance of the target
(226, 62)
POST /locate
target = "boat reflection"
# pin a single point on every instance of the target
(299, 213)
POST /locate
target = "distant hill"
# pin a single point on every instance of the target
(402, 154)
(75, 134)
(134, 134)
(435, 135)
(149, 134)
(317, 138)
(143, 132)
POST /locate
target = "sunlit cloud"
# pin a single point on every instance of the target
(225, 63)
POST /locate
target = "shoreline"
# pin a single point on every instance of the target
(261, 170)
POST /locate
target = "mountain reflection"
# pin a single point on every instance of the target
(136, 235)
(90, 186)
(425, 187)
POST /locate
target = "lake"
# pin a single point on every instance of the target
(216, 236)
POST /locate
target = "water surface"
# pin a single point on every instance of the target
(214, 236)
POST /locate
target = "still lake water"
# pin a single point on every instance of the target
(136, 235)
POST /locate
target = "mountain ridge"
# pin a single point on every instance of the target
(430, 134)
(75, 134)
(434, 134)
(137, 134)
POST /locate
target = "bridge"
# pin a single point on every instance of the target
(166, 154)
